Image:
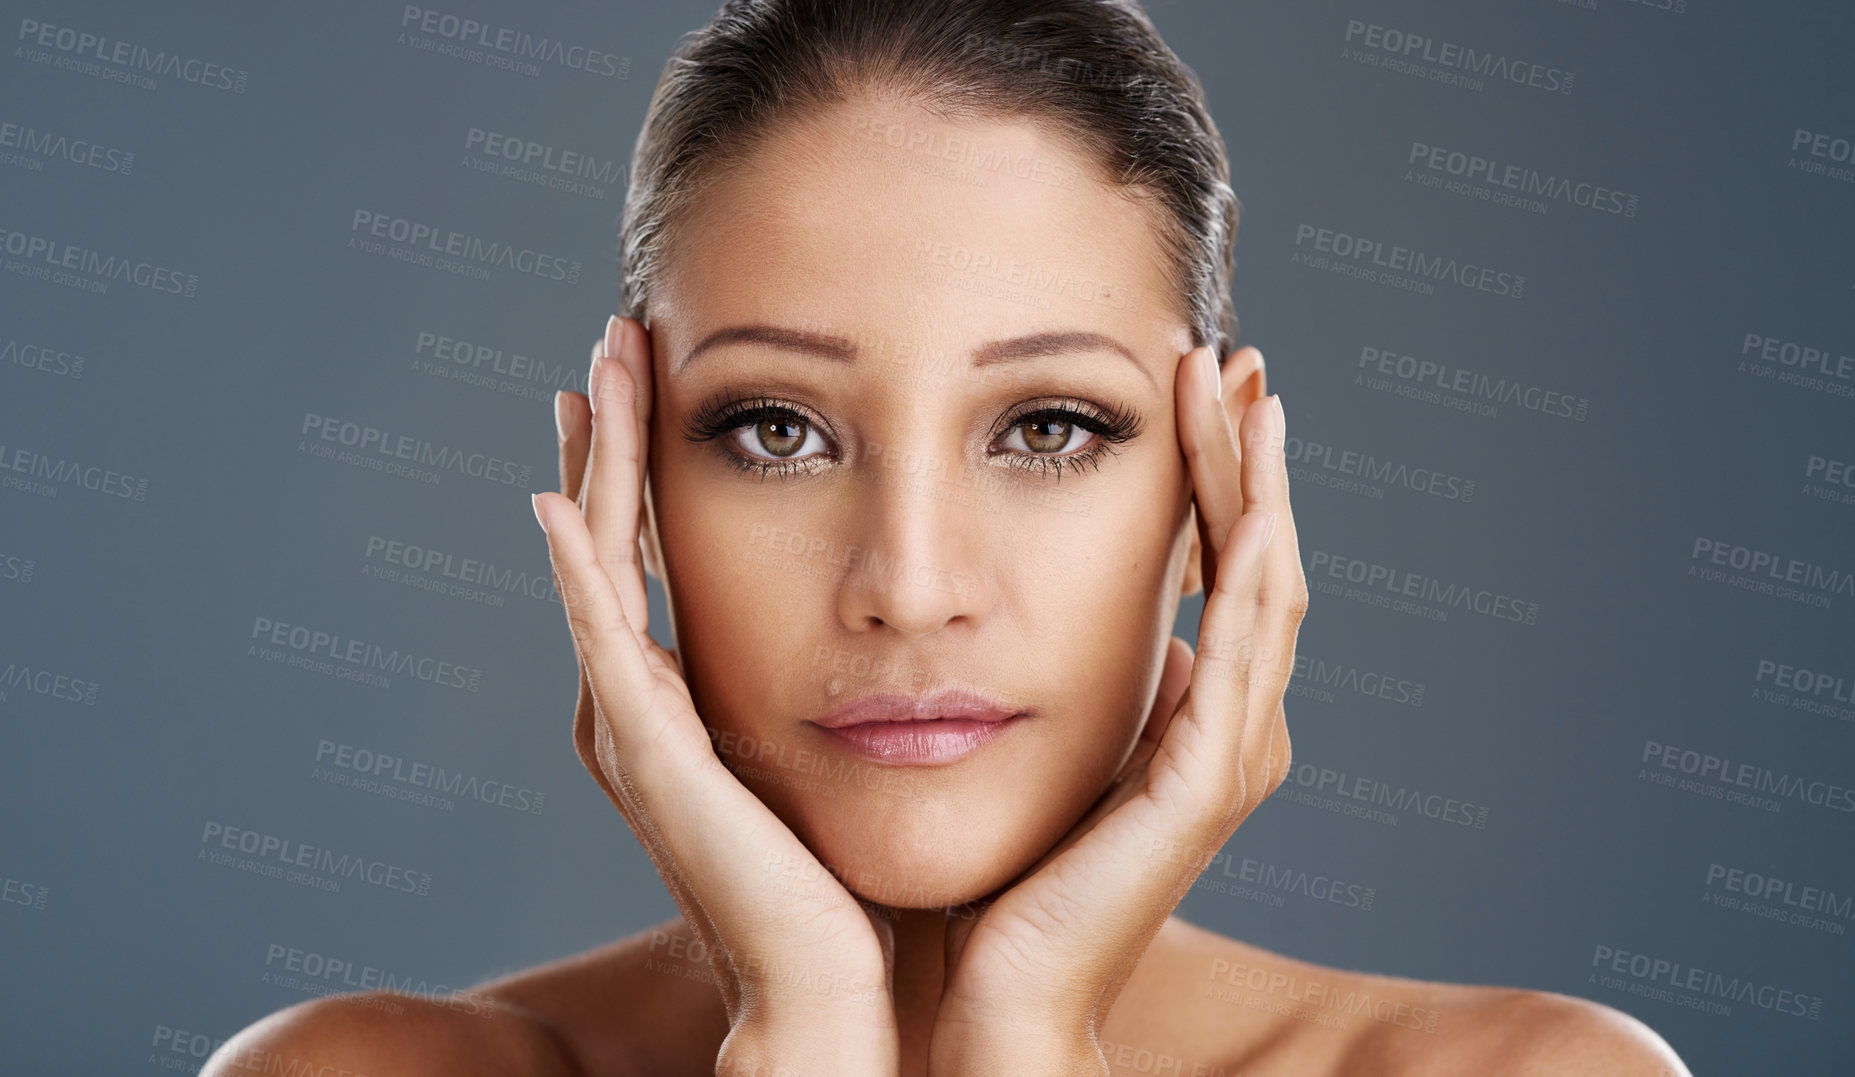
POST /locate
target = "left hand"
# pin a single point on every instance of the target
(1030, 979)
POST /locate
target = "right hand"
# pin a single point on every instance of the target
(804, 968)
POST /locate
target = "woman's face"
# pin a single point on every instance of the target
(929, 302)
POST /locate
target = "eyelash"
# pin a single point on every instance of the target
(723, 414)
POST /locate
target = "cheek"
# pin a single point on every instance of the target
(1080, 571)
(745, 607)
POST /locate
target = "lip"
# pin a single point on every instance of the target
(955, 702)
(938, 727)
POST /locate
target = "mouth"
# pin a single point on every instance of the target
(938, 727)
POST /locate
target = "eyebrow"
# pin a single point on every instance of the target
(838, 350)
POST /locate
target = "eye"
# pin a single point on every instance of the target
(1047, 432)
(781, 436)
(1057, 437)
(759, 434)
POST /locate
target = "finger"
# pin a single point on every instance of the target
(1211, 454)
(1175, 675)
(627, 339)
(1281, 595)
(592, 381)
(1219, 718)
(613, 489)
(1141, 851)
(608, 646)
(574, 429)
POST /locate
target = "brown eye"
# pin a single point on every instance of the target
(776, 438)
(1047, 434)
(779, 437)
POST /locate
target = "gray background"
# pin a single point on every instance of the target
(123, 951)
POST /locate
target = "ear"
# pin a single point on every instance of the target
(1243, 382)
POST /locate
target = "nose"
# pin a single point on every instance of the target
(922, 562)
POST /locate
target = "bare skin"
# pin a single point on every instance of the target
(646, 1006)
(639, 1007)
(1027, 925)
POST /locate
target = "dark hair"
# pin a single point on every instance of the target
(1092, 71)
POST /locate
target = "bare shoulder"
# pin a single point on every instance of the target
(379, 1032)
(1532, 1033)
(1226, 1008)
(642, 1005)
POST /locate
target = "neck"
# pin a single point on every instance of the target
(920, 965)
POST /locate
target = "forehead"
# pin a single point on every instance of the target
(875, 218)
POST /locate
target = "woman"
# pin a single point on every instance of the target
(915, 409)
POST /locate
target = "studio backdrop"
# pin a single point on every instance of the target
(1559, 296)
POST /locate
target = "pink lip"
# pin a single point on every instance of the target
(938, 727)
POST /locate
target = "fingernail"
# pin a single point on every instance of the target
(534, 502)
(592, 382)
(1281, 417)
(560, 414)
(1268, 531)
(614, 336)
(1209, 359)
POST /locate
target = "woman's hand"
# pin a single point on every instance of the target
(803, 970)
(1030, 979)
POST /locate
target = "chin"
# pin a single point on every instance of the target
(916, 846)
